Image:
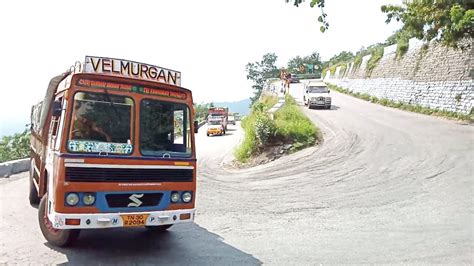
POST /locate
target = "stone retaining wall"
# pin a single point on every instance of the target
(437, 77)
(14, 167)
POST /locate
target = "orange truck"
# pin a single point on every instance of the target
(112, 145)
(217, 120)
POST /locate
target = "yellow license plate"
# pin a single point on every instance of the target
(134, 220)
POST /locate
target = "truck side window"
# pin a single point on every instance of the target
(54, 128)
(59, 129)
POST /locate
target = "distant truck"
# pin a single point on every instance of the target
(232, 120)
(219, 113)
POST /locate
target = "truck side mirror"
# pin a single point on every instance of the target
(196, 126)
(57, 108)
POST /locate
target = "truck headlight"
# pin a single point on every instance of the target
(175, 197)
(186, 197)
(72, 199)
(88, 199)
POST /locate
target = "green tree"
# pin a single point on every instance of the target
(342, 57)
(15, 147)
(260, 71)
(202, 110)
(322, 17)
(448, 21)
(298, 64)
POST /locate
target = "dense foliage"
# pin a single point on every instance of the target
(376, 54)
(256, 136)
(300, 64)
(260, 71)
(448, 21)
(15, 147)
(202, 110)
(342, 57)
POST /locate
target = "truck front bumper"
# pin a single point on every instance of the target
(214, 132)
(112, 220)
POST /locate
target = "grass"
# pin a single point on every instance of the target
(402, 47)
(248, 147)
(405, 106)
(290, 126)
(268, 100)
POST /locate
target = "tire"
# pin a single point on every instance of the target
(158, 228)
(56, 237)
(33, 195)
(207, 135)
(328, 107)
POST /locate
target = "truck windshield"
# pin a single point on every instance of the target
(164, 129)
(101, 123)
(318, 89)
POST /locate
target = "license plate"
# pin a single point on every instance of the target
(134, 220)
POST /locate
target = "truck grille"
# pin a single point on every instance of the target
(83, 174)
(140, 200)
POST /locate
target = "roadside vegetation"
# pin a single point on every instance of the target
(405, 106)
(202, 110)
(445, 21)
(15, 147)
(289, 126)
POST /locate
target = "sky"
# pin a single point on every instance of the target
(209, 42)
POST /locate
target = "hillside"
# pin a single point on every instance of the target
(242, 107)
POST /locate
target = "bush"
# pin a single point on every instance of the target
(264, 128)
(402, 47)
(377, 54)
(248, 146)
(357, 61)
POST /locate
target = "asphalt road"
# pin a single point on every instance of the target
(385, 186)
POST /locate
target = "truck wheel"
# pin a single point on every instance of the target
(328, 107)
(56, 237)
(33, 195)
(159, 228)
(207, 134)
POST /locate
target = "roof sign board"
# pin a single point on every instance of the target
(131, 69)
(128, 87)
